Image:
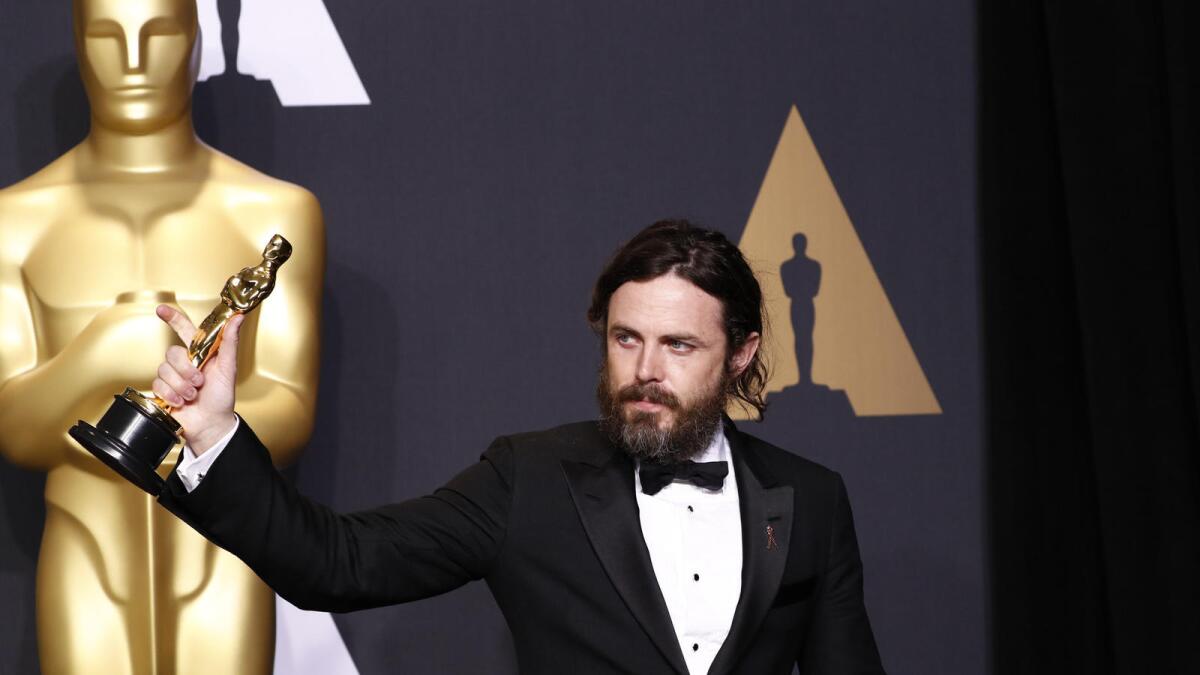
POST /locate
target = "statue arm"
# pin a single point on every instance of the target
(18, 360)
(25, 425)
(41, 396)
(277, 388)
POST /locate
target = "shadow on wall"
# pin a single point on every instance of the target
(236, 113)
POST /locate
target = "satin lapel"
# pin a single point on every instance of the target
(608, 508)
(766, 531)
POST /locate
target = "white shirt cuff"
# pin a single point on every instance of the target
(191, 469)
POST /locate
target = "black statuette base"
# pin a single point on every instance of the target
(130, 441)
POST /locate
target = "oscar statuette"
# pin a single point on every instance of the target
(137, 432)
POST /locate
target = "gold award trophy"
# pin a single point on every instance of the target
(123, 586)
(137, 432)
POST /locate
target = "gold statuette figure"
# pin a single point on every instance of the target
(136, 433)
(141, 213)
(242, 293)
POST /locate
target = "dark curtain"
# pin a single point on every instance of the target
(1089, 151)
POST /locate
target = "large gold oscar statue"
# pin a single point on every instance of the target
(142, 212)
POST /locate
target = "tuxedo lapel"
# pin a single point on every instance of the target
(603, 494)
(766, 531)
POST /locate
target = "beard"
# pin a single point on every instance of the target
(638, 433)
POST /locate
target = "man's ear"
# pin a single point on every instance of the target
(744, 354)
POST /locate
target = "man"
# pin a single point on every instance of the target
(605, 546)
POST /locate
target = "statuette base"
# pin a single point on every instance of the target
(132, 438)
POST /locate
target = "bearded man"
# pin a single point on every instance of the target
(660, 539)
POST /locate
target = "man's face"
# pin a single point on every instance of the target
(137, 60)
(666, 369)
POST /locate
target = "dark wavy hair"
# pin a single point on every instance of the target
(715, 265)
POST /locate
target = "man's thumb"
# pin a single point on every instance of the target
(227, 354)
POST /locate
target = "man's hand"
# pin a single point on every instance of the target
(201, 401)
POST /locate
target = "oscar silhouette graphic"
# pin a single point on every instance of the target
(806, 404)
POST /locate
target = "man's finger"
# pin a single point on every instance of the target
(175, 381)
(178, 358)
(166, 393)
(178, 321)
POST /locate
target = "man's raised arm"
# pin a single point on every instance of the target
(313, 557)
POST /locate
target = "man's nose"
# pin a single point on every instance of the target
(649, 365)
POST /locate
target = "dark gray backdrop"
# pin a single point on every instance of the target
(509, 148)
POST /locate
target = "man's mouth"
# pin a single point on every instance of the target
(645, 405)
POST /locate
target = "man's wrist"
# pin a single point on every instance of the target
(201, 442)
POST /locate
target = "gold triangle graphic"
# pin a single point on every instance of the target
(857, 344)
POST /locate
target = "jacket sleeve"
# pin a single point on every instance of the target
(840, 641)
(321, 560)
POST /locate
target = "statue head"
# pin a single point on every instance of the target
(277, 251)
(138, 60)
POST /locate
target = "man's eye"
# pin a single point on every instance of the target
(624, 339)
(679, 346)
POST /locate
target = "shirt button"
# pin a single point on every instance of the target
(690, 508)
(695, 577)
(695, 647)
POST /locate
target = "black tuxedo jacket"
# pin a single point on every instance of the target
(550, 521)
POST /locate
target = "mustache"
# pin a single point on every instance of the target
(648, 392)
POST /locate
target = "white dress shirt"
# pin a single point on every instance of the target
(694, 536)
(191, 469)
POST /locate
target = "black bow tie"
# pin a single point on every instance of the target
(709, 475)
